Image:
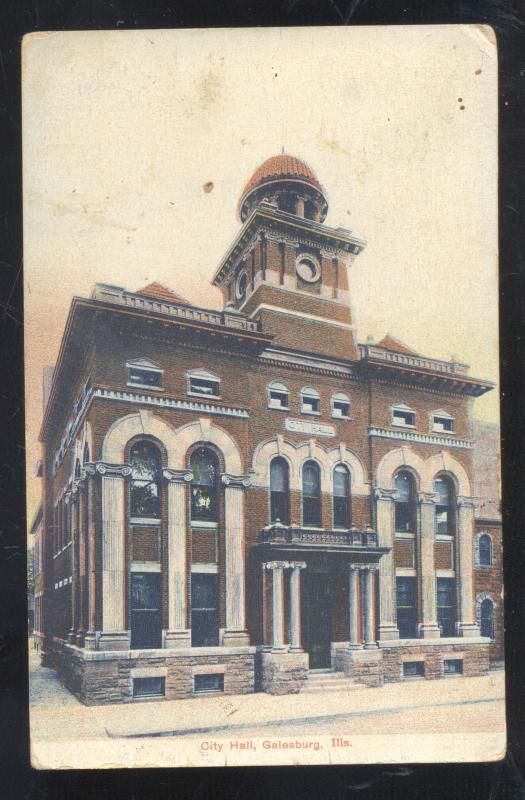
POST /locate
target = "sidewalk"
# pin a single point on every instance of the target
(449, 705)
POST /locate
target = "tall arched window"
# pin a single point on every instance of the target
(204, 486)
(405, 503)
(342, 497)
(311, 494)
(144, 459)
(485, 550)
(487, 618)
(445, 511)
(85, 457)
(77, 470)
(279, 491)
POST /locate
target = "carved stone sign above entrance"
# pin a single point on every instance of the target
(314, 428)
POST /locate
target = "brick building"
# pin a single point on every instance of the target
(234, 498)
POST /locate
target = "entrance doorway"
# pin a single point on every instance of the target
(315, 617)
(145, 614)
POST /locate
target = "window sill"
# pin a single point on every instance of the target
(278, 408)
(144, 521)
(145, 386)
(310, 413)
(202, 523)
(404, 535)
(342, 419)
(443, 433)
(204, 396)
(484, 566)
(402, 425)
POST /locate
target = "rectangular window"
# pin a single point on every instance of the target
(443, 424)
(149, 687)
(446, 606)
(277, 399)
(204, 609)
(145, 610)
(340, 409)
(208, 683)
(405, 419)
(406, 607)
(453, 666)
(413, 669)
(203, 386)
(144, 377)
(310, 405)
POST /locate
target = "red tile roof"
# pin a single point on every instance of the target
(283, 166)
(159, 292)
(391, 343)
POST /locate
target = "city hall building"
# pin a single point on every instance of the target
(249, 500)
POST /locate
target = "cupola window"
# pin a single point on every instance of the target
(442, 422)
(403, 416)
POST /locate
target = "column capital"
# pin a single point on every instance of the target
(177, 475)
(468, 502)
(109, 470)
(297, 564)
(271, 565)
(385, 494)
(428, 497)
(68, 496)
(238, 481)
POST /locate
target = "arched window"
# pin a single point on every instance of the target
(311, 494)
(342, 497)
(204, 486)
(85, 457)
(340, 406)
(310, 401)
(278, 395)
(77, 470)
(279, 491)
(486, 618)
(485, 550)
(405, 503)
(445, 511)
(144, 459)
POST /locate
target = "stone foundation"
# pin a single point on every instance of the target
(101, 677)
(282, 672)
(363, 666)
(474, 655)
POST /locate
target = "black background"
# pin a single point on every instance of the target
(467, 781)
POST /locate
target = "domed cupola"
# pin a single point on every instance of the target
(288, 183)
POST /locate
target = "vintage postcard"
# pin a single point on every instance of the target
(262, 396)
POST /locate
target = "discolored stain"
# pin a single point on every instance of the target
(462, 108)
(208, 187)
(209, 89)
(478, 72)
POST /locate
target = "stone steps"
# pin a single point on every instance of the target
(319, 682)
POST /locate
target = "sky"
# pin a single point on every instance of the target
(124, 131)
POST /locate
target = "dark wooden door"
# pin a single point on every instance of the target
(145, 615)
(315, 617)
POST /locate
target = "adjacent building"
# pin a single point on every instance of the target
(233, 499)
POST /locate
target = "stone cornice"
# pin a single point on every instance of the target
(420, 438)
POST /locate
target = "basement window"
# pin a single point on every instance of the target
(413, 669)
(453, 666)
(144, 373)
(203, 684)
(403, 416)
(203, 384)
(149, 687)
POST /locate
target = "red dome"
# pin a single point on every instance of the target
(283, 167)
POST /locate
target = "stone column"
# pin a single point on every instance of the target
(428, 626)
(235, 633)
(72, 511)
(295, 604)
(90, 639)
(81, 563)
(114, 635)
(369, 608)
(388, 629)
(353, 577)
(466, 625)
(178, 633)
(277, 568)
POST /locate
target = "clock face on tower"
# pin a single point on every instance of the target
(240, 288)
(308, 269)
